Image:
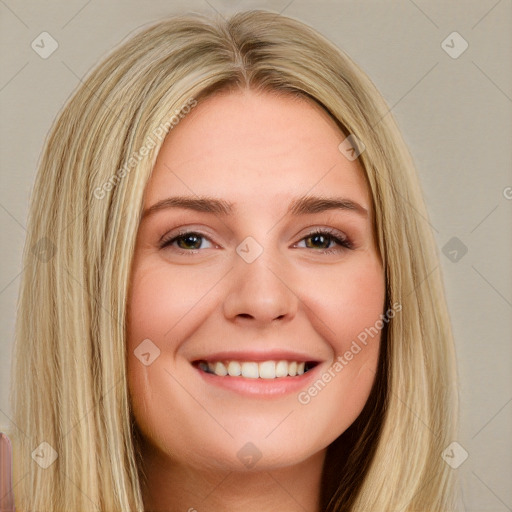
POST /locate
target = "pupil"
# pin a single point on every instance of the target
(190, 240)
(319, 239)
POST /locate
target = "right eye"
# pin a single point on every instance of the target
(189, 242)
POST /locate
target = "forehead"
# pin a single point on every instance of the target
(247, 146)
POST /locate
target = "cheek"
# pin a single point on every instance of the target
(163, 308)
(351, 309)
(162, 302)
(349, 302)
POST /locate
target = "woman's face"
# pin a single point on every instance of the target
(229, 276)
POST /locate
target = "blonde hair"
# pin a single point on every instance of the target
(69, 378)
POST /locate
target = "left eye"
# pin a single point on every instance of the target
(320, 239)
(323, 237)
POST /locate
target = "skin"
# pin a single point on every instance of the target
(259, 151)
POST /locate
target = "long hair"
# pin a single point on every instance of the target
(74, 436)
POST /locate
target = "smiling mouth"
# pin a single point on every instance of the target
(255, 370)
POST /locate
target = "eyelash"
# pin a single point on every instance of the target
(332, 235)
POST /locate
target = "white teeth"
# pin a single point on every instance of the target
(267, 370)
(234, 368)
(255, 370)
(220, 369)
(282, 369)
(250, 370)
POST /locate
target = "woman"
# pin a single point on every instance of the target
(258, 368)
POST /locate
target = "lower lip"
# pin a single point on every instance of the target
(261, 387)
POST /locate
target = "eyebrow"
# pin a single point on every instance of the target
(301, 206)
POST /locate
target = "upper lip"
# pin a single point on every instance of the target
(252, 355)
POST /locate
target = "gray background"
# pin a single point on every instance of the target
(455, 114)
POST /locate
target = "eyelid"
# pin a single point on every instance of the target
(187, 229)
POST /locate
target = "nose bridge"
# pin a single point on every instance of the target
(259, 289)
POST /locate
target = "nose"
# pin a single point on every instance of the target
(261, 291)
